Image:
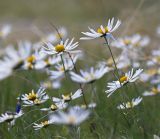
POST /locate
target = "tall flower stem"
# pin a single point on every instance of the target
(112, 57)
(84, 99)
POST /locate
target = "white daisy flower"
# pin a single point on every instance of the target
(134, 41)
(68, 97)
(10, 117)
(43, 124)
(129, 77)
(55, 107)
(74, 116)
(14, 59)
(102, 31)
(131, 104)
(154, 91)
(89, 76)
(52, 84)
(149, 74)
(35, 98)
(60, 48)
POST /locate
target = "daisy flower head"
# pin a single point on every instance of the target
(134, 41)
(35, 98)
(62, 47)
(74, 116)
(68, 97)
(131, 104)
(153, 91)
(43, 124)
(14, 59)
(55, 107)
(10, 117)
(129, 77)
(102, 31)
(89, 76)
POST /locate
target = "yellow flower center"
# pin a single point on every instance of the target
(71, 119)
(155, 90)
(106, 30)
(127, 42)
(123, 79)
(37, 101)
(59, 48)
(53, 107)
(66, 98)
(31, 59)
(129, 105)
(45, 123)
(32, 96)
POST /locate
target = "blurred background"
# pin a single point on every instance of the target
(140, 16)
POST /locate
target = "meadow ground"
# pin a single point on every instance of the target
(32, 20)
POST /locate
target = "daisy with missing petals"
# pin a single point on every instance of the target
(89, 76)
(154, 91)
(102, 31)
(131, 104)
(43, 124)
(10, 117)
(129, 77)
(60, 48)
(74, 116)
(55, 107)
(35, 98)
(68, 97)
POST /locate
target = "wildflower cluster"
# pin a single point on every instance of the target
(56, 56)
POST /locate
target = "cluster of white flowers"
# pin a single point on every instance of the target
(56, 55)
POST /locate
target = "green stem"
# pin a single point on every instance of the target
(80, 85)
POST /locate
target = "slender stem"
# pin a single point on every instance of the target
(112, 57)
(84, 99)
(63, 65)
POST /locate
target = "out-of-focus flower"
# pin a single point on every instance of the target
(68, 97)
(129, 42)
(90, 105)
(10, 117)
(152, 92)
(89, 76)
(14, 59)
(5, 31)
(62, 47)
(35, 98)
(158, 30)
(127, 78)
(131, 104)
(62, 68)
(102, 31)
(74, 116)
